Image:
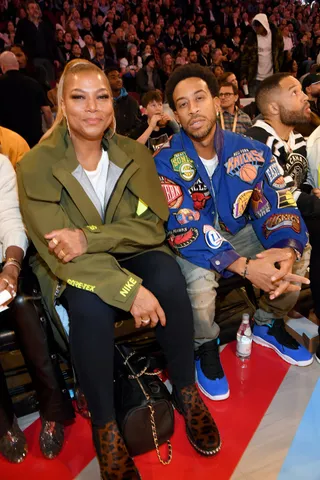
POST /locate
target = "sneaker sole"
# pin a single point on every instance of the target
(287, 359)
(215, 398)
(317, 358)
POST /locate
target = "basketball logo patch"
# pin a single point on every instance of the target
(245, 164)
(241, 203)
(172, 192)
(182, 164)
(259, 203)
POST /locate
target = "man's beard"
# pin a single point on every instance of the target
(291, 119)
(203, 132)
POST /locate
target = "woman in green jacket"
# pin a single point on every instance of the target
(94, 209)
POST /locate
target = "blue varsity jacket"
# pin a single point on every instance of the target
(247, 186)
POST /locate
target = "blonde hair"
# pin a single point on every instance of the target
(72, 68)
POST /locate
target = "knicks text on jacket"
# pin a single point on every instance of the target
(245, 164)
(127, 287)
(83, 286)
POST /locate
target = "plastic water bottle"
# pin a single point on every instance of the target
(244, 338)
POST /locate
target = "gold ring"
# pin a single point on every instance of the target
(5, 280)
(146, 321)
(55, 241)
(63, 254)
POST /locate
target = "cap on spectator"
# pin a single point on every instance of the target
(310, 80)
(148, 59)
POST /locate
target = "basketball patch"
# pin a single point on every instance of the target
(245, 164)
(274, 175)
(182, 237)
(185, 215)
(183, 165)
(212, 237)
(259, 203)
(283, 220)
(200, 194)
(285, 199)
(172, 192)
(241, 203)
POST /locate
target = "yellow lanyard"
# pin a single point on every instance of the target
(235, 120)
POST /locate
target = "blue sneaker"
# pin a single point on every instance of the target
(209, 372)
(274, 335)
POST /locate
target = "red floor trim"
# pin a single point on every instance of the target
(252, 386)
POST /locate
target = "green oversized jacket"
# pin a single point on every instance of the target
(51, 198)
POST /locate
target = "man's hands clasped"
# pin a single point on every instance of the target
(263, 273)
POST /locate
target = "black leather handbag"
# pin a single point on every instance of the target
(143, 408)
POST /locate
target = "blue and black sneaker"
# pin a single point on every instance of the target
(209, 372)
(275, 336)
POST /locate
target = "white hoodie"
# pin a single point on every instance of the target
(265, 62)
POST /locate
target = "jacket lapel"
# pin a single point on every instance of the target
(62, 171)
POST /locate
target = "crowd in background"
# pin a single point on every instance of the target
(142, 42)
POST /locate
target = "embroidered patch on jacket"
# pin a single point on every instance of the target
(185, 215)
(285, 199)
(200, 194)
(241, 203)
(183, 165)
(260, 205)
(182, 237)
(128, 286)
(274, 175)
(212, 237)
(245, 164)
(172, 192)
(277, 221)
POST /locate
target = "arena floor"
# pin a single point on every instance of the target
(270, 428)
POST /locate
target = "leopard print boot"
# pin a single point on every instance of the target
(114, 459)
(202, 432)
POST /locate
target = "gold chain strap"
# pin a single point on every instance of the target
(155, 439)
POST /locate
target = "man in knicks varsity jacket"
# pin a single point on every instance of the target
(223, 190)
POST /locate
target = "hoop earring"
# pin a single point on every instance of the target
(68, 126)
(110, 133)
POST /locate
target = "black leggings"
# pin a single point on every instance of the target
(55, 404)
(92, 331)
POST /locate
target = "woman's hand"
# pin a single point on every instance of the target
(67, 243)
(9, 281)
(146, 309)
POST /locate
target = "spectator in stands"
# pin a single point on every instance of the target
(126, 108)
(311, 86)
(172, 41)
(302, 54)
(112, 49)
(156, 126)
(210, 231)
(231, 117)
(75, 51)
(37, 37)
(55, 407)
(88, 51)
(218, 71)
(101, 60)
(263, 53)
(292, 68)
(189, 39)
(27, 67)
(98, 28)
(284, 105)
(148, 77)
(22, 100)
(193, 57)
(287, 40)
(204, 57)
(166, 69)
(106, 277)
(86, 27)
(129, 67)
(12, 145)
